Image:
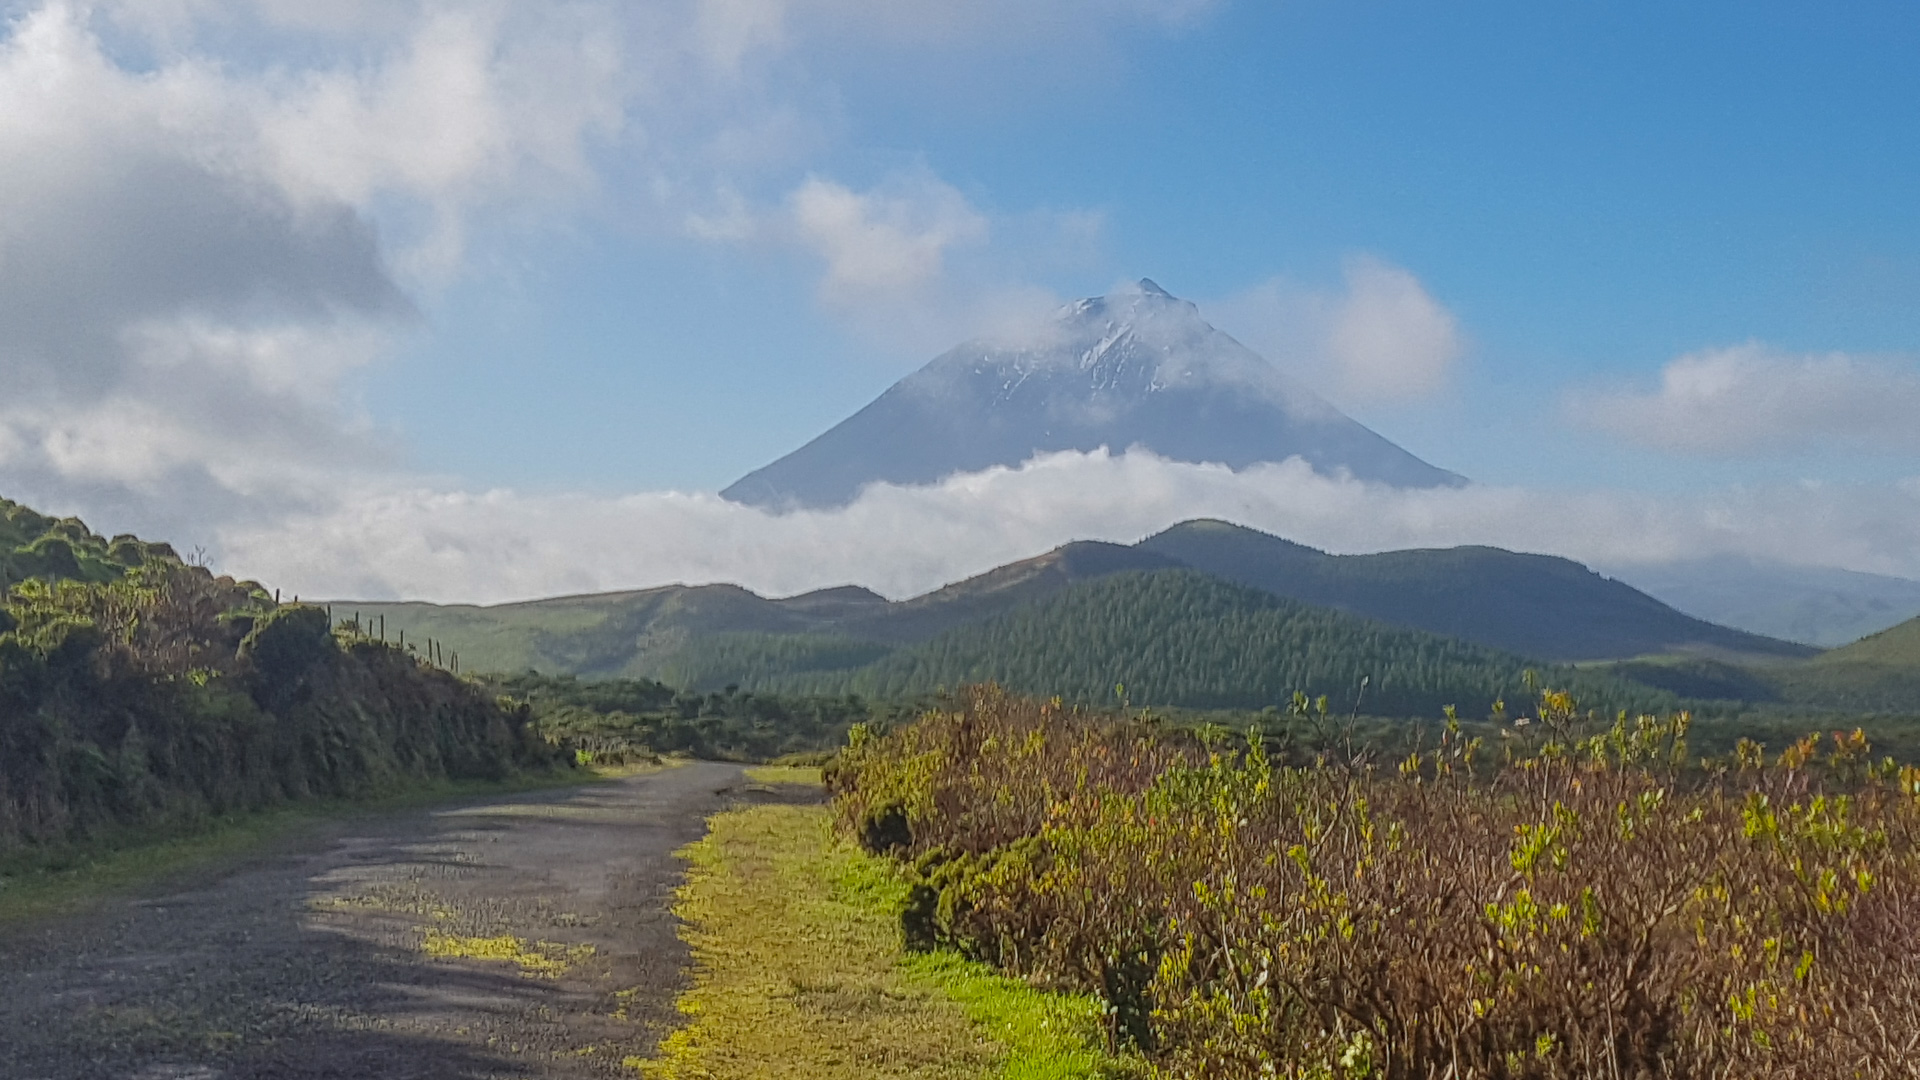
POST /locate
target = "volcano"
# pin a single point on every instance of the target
(1136, 369)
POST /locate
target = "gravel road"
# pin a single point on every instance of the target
(521, 936)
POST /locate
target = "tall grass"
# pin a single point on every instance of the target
(1558, 903)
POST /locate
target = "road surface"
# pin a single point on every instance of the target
(520, 936)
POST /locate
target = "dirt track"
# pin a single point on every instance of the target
(527, 936)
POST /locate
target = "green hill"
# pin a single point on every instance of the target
(601, 636)
(706, 636)
(998, 591)
(139, 691)
(1182, 638)
(1534, 605)
(1898, 646)
(1879, 673)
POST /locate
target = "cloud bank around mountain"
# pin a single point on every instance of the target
(500, 545)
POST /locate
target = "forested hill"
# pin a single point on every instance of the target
(1179, 637)
(136, 689)
(1535, 605)
(674, 631)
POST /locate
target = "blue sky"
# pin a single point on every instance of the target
(1592, 192)
(413, 298)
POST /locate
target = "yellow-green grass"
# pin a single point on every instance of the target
(799, 971)
(67, 878)
(536, 960)
(772, 775)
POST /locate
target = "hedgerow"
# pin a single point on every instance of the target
(147, 692)
(1561, 902)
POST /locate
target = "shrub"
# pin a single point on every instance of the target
(150, 692)
(286, 643)
(50, 557)
(1559, 905)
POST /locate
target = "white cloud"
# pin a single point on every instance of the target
(213, 213)
(1751, 398)
(501, 545)
(733, 29)
(197, 254)
(1381, 338)
(890, 241)
(1390, 339)
(473, 108)
(911, 262)
(175, 326)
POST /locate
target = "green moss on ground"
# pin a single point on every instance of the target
(800, 971)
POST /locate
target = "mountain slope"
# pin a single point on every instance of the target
(689, 634)
(1878, 673)
(999, 590)
(1899, 645)
(1136, 368)
(1179, 637)
(1532, 605)
(707, 636)
(604, 634)
(1815, 605)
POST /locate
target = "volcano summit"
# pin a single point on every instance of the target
(1136, 368)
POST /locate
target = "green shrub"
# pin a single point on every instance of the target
(147, 692)
(632, 719)
(49, 557)
(286, 644)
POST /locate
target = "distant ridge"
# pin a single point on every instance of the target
(1138, 367)
(1816, 605)
(1541, 606)
(1180, 637)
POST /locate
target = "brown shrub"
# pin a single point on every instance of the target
(1589, 907)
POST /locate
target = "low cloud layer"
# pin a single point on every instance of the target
(1751, 399)
(492, 546)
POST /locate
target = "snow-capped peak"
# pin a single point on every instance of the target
(1138, 367)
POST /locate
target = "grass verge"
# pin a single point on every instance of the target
(773, 775)
(73, 877)
(799, 972)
